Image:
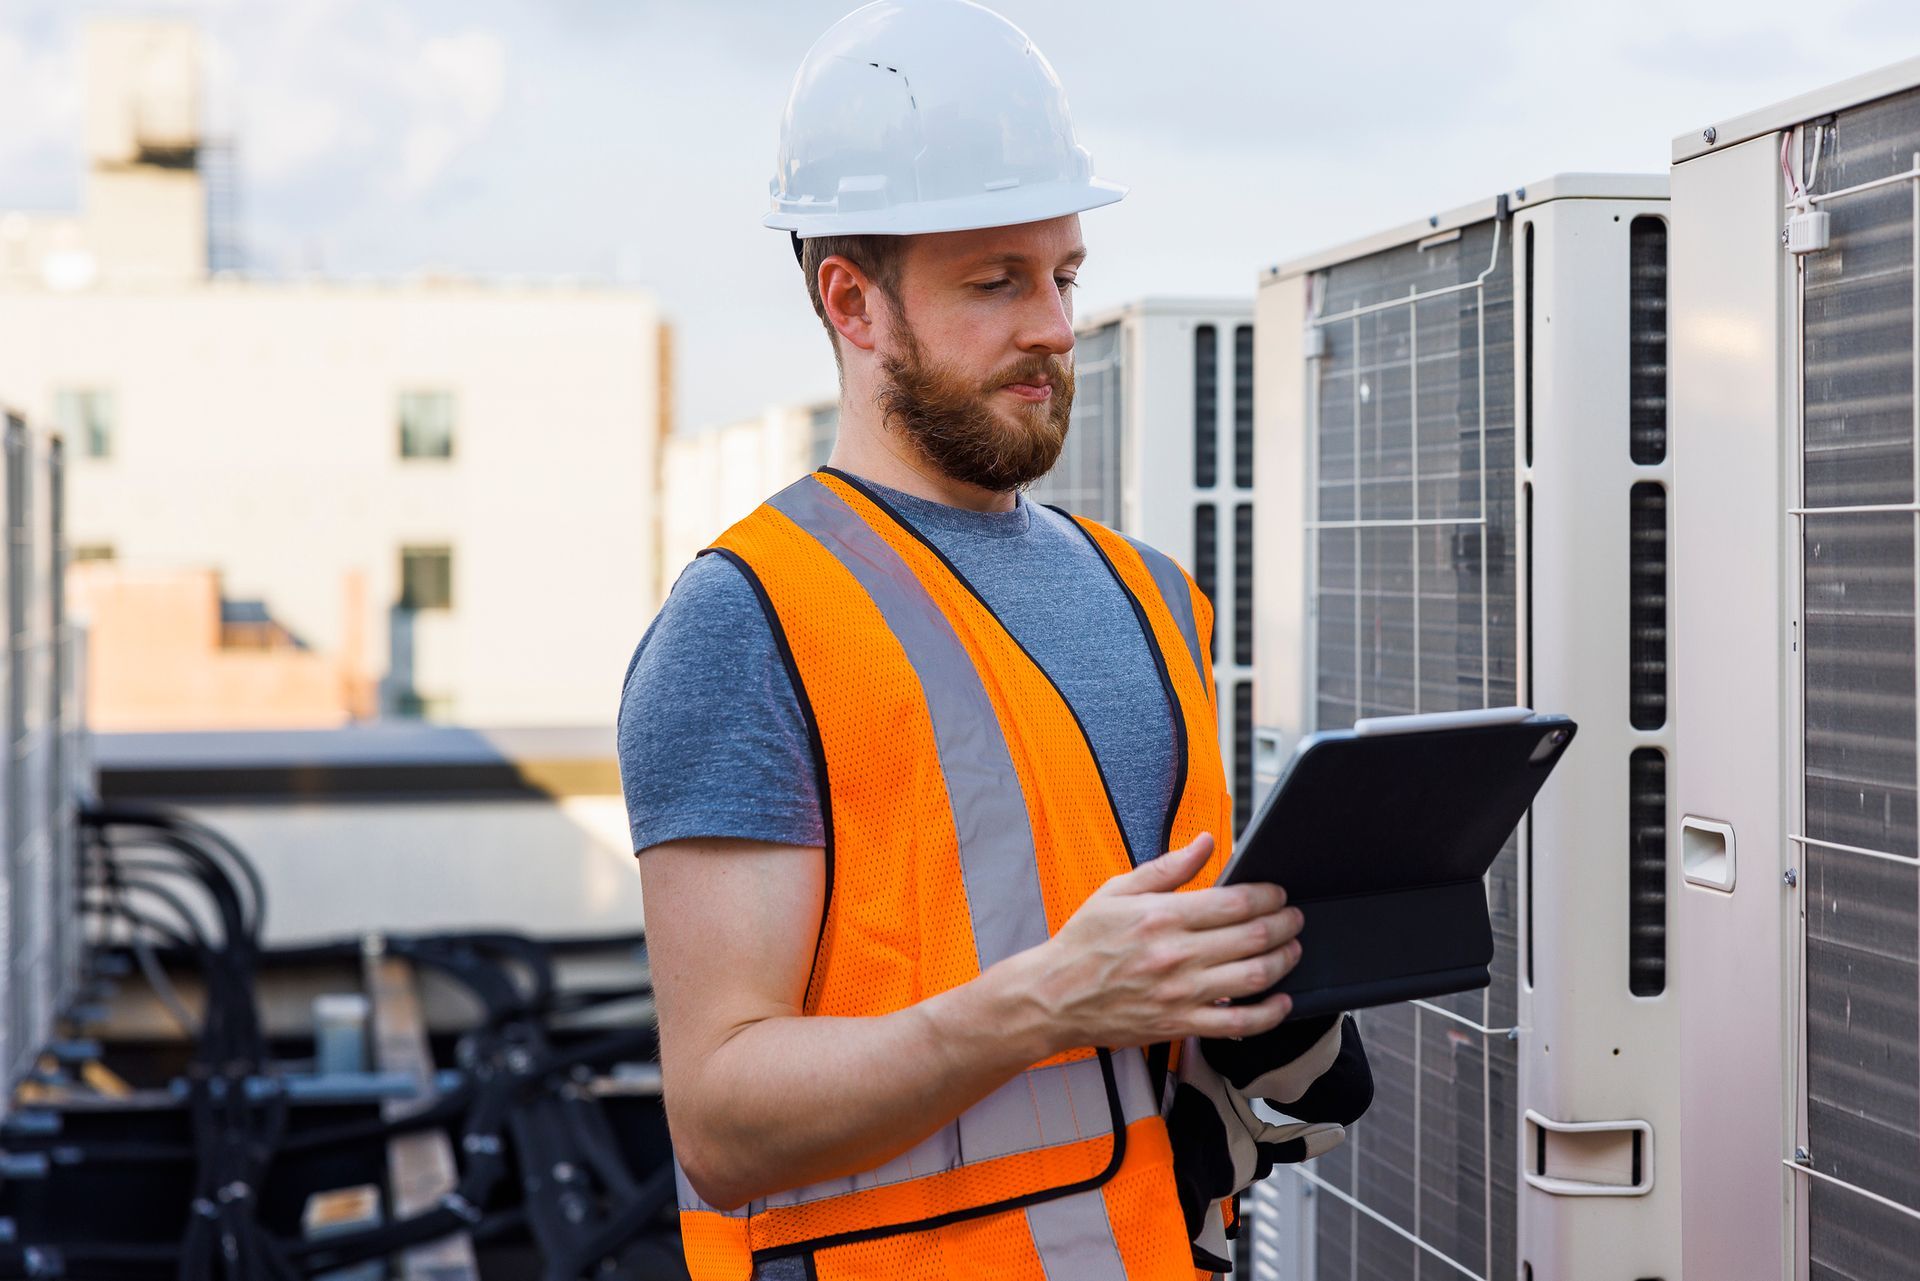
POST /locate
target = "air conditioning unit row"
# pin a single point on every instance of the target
(45, 763)
(1796, 233)
(1462, 501)
(1161, 448)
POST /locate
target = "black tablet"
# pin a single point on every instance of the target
(1381, 835)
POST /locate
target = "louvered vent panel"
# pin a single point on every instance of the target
(1243, 797)
(1862, 952)
(1647, 609)
(1086, 480)
(1420, 617)
(1243, 584)
(1206, 406)
(1243, 406)
(1206, 549)
(1647, 872)
(1647, 334)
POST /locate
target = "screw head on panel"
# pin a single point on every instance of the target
(1709, 134)
(1792, 877)
(1802, 1157)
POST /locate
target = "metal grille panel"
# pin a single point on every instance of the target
(1243, 797)
(1087, 478)
(1243, 584)
(1861, 980)
(1243, 406)
(1647, 608)
(1206, 406)
(1647, 872)
(1413, 610)
(1647, 333)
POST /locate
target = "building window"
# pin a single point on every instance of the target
(418, 706)
(426, 424)
(85, 416)
(426, 578)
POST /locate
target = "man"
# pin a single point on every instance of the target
(925, 778)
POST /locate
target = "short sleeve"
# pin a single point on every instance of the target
(712, 741)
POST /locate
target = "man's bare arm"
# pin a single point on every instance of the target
(760, 1098)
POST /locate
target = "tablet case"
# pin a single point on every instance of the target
(1382, 838)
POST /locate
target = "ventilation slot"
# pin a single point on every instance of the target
(1647, 872)
(1647, 652)
(1243, 584)
(1206, 407)
(1648, 338)
(1242, 754)
(1527, 321)
(1243, 406)
(1206, 561)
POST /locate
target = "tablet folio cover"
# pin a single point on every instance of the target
(1382, 842)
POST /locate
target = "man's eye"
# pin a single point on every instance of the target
(991, 286)
(1065, 283)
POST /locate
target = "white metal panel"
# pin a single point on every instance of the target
(1591, 1052)
(1771, 120)
(1280, 486)
(1730, 681)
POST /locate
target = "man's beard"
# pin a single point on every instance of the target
(952, 420)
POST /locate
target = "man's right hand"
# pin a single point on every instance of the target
(1139, 963)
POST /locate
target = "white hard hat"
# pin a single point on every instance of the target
(913, 116)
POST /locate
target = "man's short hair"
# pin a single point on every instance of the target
(881, 257)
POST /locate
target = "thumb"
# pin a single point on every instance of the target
(1168, 872)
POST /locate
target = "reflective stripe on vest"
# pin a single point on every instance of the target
(961, 795)
(1173, 590)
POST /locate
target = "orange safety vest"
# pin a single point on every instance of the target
(966, 820)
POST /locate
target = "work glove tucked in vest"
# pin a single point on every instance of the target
(1313, 1071)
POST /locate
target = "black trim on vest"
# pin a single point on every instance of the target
(867, 493)
(814, 743)
(1160, 1055)
(951, 1217)
(1166, 680)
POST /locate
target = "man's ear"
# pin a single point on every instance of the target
(850, 300)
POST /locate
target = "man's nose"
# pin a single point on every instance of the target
(1047, 326)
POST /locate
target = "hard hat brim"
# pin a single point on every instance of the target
(1010, 207)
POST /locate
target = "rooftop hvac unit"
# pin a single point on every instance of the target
(1796, 303)
(44, 760)
(1462, 502)
(1161, 448)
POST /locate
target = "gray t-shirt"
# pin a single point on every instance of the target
(712, 741)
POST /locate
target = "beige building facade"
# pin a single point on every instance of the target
(715, 476)
(444, 484)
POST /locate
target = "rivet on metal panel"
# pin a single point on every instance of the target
(1792, 877)
(1520, 194)
(1708, 135)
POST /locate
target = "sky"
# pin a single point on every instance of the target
(631, 141)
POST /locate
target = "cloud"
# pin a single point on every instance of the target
(39, 98)
(456, 94)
